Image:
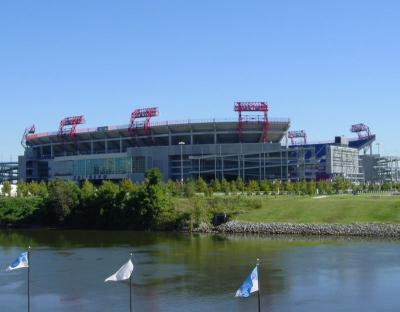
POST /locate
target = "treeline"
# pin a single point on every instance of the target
(326, 187)
(110, 206)
(152, 204)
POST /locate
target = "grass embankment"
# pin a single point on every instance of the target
(199, 209)
(340, 209)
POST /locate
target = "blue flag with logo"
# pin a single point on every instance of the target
(20, 262)
(249, 285)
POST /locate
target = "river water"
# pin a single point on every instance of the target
(183, 272)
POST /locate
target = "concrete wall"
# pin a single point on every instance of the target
(342, 160)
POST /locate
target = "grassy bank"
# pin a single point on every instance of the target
(155, 205)
(342, 209)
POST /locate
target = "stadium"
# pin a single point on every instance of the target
(253, 146)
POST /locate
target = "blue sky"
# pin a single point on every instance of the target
(323, 64)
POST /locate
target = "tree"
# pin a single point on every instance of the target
(86, 213)
(189, 188)
(370, 187)
(288, 187)
(42, 190)
(127, 187)
(386, 186)
(239, 184)
(321, 186)
(174, 188)
(311, 187)
(87, 190)
(328, 187)
(363, 186)
(303, 187)
(252, 186)
(151, 206)
(62, 199)
(109, 205)
(225, 186)
(22, 189)
(276, 185)
(153, 176)
(233, 187)
(6, 190)
(201, 186)
(339, 185)
(33, 188)
(300, 187)
(265, 186)
(216, 186)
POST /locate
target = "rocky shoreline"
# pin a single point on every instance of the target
(355, 229)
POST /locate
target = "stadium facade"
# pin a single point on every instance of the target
(250, 147)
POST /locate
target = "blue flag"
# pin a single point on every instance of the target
(20, 262)
(249, 285)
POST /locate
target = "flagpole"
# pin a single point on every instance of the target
(130, 288)
(258, 292)
(29, 271)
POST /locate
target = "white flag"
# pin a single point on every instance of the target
(122, 274)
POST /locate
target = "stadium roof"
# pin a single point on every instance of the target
(226, 130)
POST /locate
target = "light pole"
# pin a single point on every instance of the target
(181, 143)
(378, 145)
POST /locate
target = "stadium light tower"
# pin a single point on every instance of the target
(181, 143)
(28, 130)
(143, 113)
(252, 107)
(362, 130)
(68, 125)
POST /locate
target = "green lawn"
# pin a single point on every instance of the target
(331, 209)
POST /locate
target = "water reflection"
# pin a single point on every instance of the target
(182, 272)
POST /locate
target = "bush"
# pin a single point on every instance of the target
(19, 210)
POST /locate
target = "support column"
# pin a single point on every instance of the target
(215, 167)
(281, 163)
(238, 165)
(222, 167)
(91, 147)
(264, 167)
(199, 169)
(120, 145)
(244, 165)
(287, 156)
(52, 151)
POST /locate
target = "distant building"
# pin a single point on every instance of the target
(8, 172)
(13, 192)
(380, 169)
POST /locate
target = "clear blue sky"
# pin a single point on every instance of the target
(324, 64)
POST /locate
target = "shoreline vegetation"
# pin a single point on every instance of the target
(302, 208)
